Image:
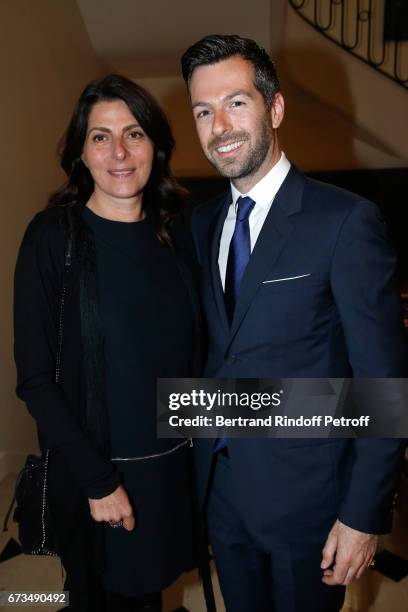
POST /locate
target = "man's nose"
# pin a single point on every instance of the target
(221, 123)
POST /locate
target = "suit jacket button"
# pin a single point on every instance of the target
(231, 360)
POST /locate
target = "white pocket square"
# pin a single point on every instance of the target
(279, 280)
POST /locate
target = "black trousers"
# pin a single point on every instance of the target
(84, 578)
(261, 571)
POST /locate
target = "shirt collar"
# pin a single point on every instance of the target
(264, 192)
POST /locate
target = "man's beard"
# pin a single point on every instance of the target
(230, 168)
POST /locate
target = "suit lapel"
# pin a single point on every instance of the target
(214, 251)
(272, 239)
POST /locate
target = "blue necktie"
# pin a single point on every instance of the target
(239, 254)
(238, 257)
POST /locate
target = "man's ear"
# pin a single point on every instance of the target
(277, 110)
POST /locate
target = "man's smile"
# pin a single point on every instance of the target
(227, 148)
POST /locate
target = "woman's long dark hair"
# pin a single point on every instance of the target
(162, 193)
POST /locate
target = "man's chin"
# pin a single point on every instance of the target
(228, 169)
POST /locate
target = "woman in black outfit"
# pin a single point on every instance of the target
(120, 498)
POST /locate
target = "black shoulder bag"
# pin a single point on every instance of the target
(32, 511)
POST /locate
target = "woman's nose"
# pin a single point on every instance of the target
(119, 150)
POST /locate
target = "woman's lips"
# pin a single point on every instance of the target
(122, 173)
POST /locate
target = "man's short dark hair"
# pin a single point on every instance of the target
(218, 47)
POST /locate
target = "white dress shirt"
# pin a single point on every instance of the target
(263, 194)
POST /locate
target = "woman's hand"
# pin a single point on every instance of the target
(113, 507)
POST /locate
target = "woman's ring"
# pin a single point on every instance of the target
(116, 524)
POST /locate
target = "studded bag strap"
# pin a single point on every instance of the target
(67, 269)
(58, 364)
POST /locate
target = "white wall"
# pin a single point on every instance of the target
(340, 113)
(363, 112)
(45, 60)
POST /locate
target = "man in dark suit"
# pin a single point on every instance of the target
(298, 280)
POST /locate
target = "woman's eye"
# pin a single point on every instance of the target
(99, 138)
(134, 134)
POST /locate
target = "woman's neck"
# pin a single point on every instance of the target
(117, 209)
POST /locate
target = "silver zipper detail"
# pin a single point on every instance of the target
(168, 452)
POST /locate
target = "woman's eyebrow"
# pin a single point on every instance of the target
(107, 130)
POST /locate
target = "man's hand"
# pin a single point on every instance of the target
(351, 552)
(113, 507)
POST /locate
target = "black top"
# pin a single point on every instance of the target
(59, 410)
(147, 323)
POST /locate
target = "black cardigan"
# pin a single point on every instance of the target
(71, 416)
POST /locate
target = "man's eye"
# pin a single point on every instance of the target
(237, 103)
(202, 114)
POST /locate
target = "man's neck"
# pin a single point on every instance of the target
(246, 183)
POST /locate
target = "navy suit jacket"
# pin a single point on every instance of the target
(333, 310)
